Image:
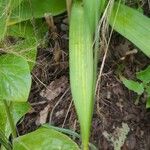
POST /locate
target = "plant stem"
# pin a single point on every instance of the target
(68, 5)
(85, 147)
(137, 100)
(10, 119)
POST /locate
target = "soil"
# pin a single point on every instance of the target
(114, 105)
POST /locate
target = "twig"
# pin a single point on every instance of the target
(67, 114)
(51, 114)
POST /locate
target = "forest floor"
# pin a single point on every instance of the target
(116, 119)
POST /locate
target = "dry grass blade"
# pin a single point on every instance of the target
(105, 41)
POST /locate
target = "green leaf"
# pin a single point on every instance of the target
(63, 130)
(3, 18)
(18, 109)
(15, 3)
(144, 75)
(15, 78)
(92, 10)
(36, 9)
(6, 7)
(148, 102)
(4, 142)
(26, 49)
(147, 89)
(28, 30)
(3, 117)
(23, 29)
(133, 25)
(32, 35)
(133, 86)
(44, 139)
(69, 132)
(81, 69)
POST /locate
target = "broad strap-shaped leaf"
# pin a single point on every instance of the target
(44, 139)
(133, 25)
(144, 75)
(133, 86)
(92, 10)
(18, 110)
(92, 13)
(15, 78)
(36, 9)
(63, 130)
(81, 69)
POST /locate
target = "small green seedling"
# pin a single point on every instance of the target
(140, 87)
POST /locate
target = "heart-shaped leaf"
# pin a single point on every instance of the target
(28, 30)
(6, 8)
(36, 9)
(27, 47)
(44, 139)
(15, 78)
(22, 10)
